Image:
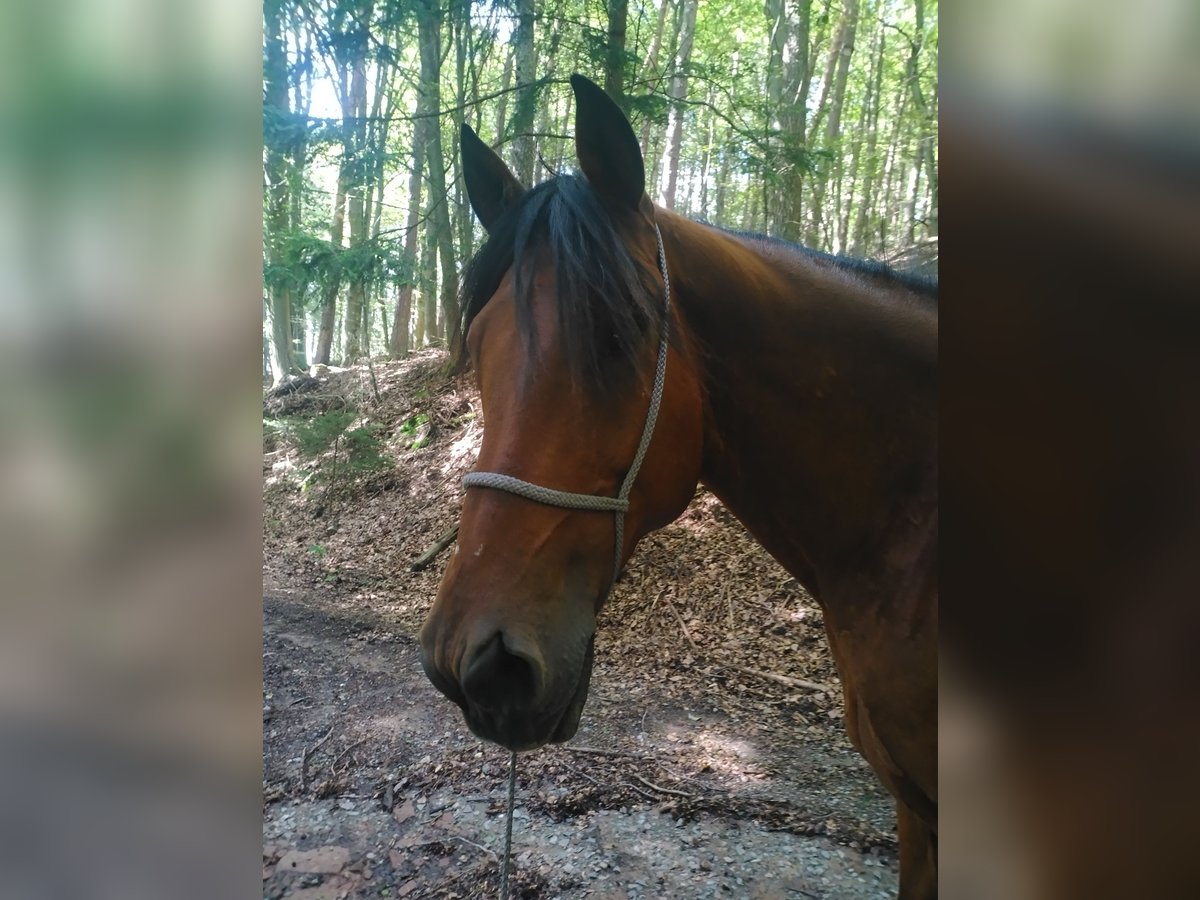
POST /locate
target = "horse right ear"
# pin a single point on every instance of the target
(608, 150)
(491, 187)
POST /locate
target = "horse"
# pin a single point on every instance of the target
(624, 354)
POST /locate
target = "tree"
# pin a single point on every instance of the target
(836, 73)
(614, 64)
(687, 31)
(522, 121)
(276, 131)
(757, 114)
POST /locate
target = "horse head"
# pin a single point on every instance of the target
(563, 312)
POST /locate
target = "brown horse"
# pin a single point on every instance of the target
(624, 353)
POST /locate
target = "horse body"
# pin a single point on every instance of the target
(801, 392)
(821, 437)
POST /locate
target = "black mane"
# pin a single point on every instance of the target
(606, 300)
(919, 283)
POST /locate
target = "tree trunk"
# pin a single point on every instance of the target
(355, 148)
(429, 25)
(301, 84)
(837, 71)
(927, 140)
(461, 23)
(706, 158)
(649, 67)
(429, 307)
(614, 63)
(687, 31)
(337, 226)
(913, 195)
(789, 75)
(723, 179)
(400, 326)
(858, 238)
(277, 112)
(549, 66)
(526, 105)
(886, 199)
(565, 128)
(502, 100)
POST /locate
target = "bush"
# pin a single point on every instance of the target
(339, 452)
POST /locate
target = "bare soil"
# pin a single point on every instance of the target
(711, 760)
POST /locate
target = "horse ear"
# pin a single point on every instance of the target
(608, 150)
(491, 187)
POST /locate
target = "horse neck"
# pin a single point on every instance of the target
(821, 417)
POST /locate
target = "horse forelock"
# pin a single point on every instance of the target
(605, 299)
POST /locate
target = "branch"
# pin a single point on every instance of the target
(660, 789)
(437, 547)
(786, 680)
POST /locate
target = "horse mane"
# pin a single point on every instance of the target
(918, 283)
(606, 299)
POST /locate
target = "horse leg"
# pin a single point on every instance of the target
(918, 855)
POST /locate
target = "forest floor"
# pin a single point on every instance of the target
(711, 760)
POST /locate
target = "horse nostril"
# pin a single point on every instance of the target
(499, 677)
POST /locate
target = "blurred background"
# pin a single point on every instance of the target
(131, 300)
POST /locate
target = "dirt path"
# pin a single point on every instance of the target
(375, 788)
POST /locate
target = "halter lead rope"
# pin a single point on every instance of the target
(619, 504)
(512, 790)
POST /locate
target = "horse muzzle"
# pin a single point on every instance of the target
(508, 690)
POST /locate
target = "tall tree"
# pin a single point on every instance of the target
(789, 74)
(836, 74)
(400, 325)
(649, 68)
(354, 105)
(858, 236)
(429, 30)
(787, 129)
(302, 85)
(679, 82)
(614, 62)
(526, 105)
(927, 141)
(277, 127)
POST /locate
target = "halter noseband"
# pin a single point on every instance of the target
(619, 504)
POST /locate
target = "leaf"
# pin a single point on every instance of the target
(405, 812)
(322, 861)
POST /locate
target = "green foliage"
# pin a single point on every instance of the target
(754, 134)
(416, 429)
(316, 435)
(309, 260)
(364, 449)
(336, 450)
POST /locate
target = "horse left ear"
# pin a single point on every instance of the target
(491, 187)
(608, 150)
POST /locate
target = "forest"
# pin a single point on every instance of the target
(814, 121)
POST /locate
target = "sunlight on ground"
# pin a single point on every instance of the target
(698, 518)
(727, 756)
(466, 448)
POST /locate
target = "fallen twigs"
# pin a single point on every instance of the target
(595, 751)
(308, 752)
(423, 561)
(661, 789)
(786, 680)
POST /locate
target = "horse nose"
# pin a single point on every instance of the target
(502, 673)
